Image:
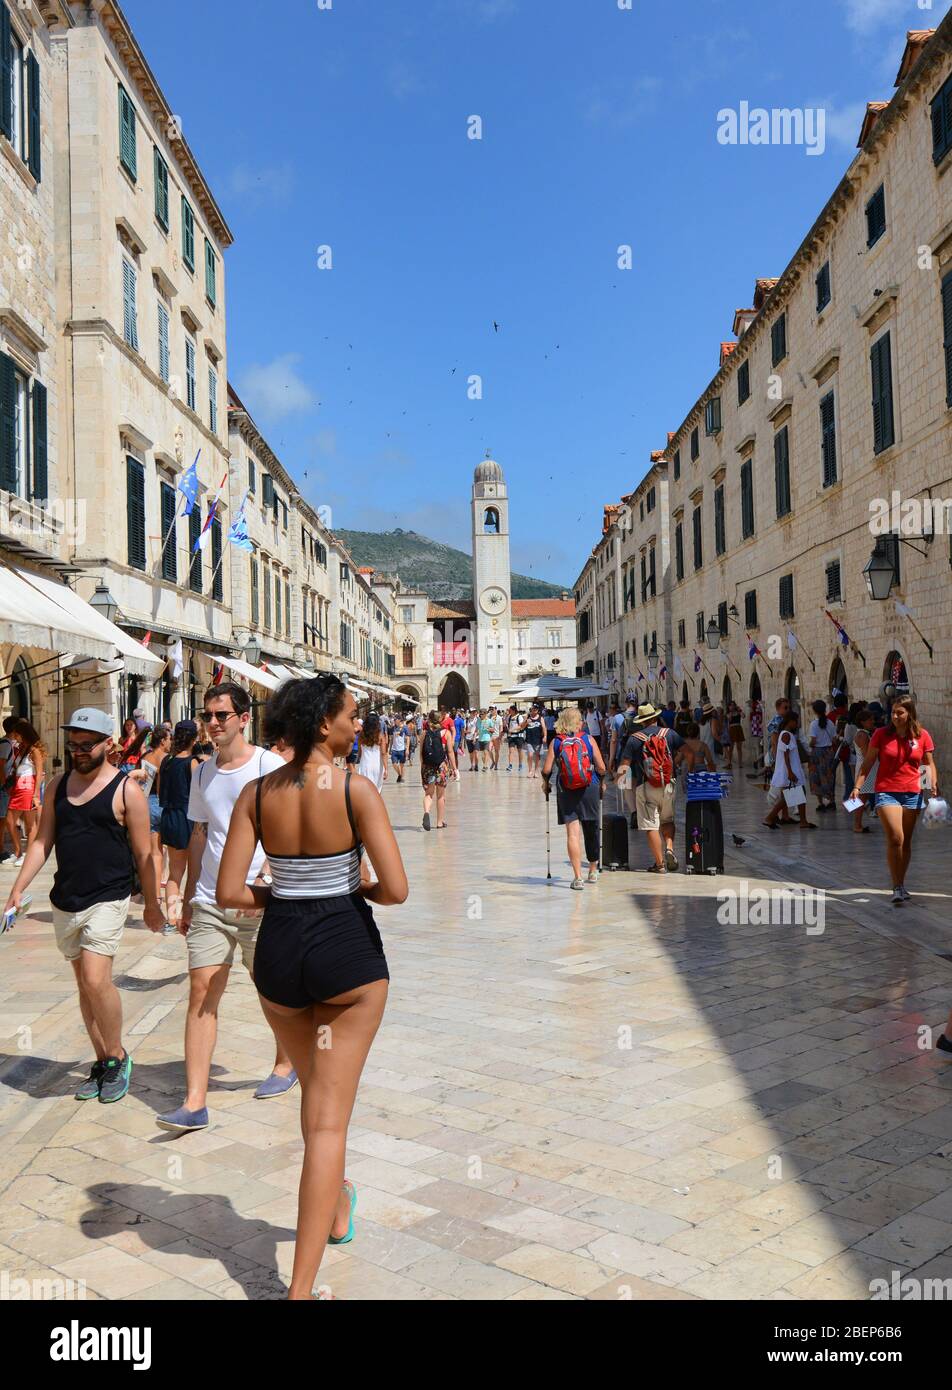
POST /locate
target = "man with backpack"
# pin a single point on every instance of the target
(648, 756)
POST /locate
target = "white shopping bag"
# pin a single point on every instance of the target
(794, 796)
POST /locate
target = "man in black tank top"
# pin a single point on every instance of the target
(98, 823)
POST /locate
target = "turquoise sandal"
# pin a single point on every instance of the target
(346, 1239)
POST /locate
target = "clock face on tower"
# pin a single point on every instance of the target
(492, 600)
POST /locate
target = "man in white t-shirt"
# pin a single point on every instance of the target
(213, 933)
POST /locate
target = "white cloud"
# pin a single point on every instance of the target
(863, 16)
(403, 81)
(264, 183)
(627, 105)
(274, 388)
(843, 123)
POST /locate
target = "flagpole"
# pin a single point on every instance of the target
(909, 618)
(758, 652)
(804, 650)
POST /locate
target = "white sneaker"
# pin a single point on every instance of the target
(18, 862)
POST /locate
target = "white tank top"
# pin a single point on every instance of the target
(371, 765)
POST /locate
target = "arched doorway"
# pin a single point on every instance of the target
(684, 691)
(727, 691)
(454, 693)
(410, 700)
(756, 691)
(839, 680)
(791, 689)
(705, 699)
(21, 700)
(895, 673)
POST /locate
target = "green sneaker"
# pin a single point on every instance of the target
(116, 1076)
(89, 1090)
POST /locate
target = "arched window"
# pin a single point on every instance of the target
(20, 699)
(491, 521)
(792, 689)
(408, 654)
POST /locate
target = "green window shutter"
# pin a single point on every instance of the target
(33, 113)
(881, 371)
(747, 499)
(163, 341)
(254, 592)
(6, 74)
(947, 334)
(130, 327)
(218, 587)
(161, 189)
(40, 479)
(188, 234)
(195, 556)
(209, 271)
(828, 438)
(135, 512)
(8, 433)
(782, 471)
(169, 569)
(127, 132)
(267, 596)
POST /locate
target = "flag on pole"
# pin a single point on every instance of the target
(698, 663)
(724, 657)
(662, 672)
(641, 678)
(752, 648)
(678, 668)
(902, 611)
(176, 658)
(238, 533)
(213, 505)
(840, 629)
(791, 639)
(217, 674)
(147, 638)
(188, 485)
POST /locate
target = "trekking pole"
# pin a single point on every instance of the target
(548, 853)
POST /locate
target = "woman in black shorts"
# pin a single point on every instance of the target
(319, 966)
(535, 739)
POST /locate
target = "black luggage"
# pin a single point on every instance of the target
(614, 841)
(703, 838)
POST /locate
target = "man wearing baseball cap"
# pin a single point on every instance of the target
(97, 820)
(649, 753)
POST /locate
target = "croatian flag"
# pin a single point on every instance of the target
(188, 485)
(697, 662)
(217, 674)
(213, 505)
(662, 672)
(641, 678)
(752, 648)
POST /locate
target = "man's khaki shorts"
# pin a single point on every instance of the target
(215, 932)
(97, 929)
(654, 806)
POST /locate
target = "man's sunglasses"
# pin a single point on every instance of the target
(218, 717)
(83, 747)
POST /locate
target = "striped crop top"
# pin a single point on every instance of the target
(314, 875)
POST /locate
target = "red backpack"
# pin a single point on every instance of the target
(575, 764)
(656, 758)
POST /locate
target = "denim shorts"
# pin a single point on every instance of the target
(909, 801)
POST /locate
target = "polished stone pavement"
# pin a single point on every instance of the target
(607, 1094)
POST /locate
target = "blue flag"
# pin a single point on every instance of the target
(188, 485)
(238, 534)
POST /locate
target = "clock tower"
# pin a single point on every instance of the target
(492, 661)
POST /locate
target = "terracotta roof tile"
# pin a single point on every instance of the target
(916, 40)
(543, 608)
(873, 111)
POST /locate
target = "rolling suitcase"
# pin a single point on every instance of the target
(614, 841)
(703, 838)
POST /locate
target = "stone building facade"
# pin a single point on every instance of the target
(831, 403)
(140, 243)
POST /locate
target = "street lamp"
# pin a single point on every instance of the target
(880, 572)
(252, 651)
(104, 603)
(653, 659)
(713, 635)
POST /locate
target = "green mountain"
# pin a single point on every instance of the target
(437, 569)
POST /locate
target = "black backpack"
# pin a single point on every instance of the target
(434, 749)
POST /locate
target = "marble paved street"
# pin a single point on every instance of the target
(595, 1095)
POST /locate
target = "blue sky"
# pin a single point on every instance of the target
(347, 128)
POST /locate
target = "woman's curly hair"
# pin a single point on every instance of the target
(296, 711)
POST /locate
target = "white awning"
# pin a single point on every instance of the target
(28, 618)
(250, 673)
(136, 657)
(302, 674)
(283, 673)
